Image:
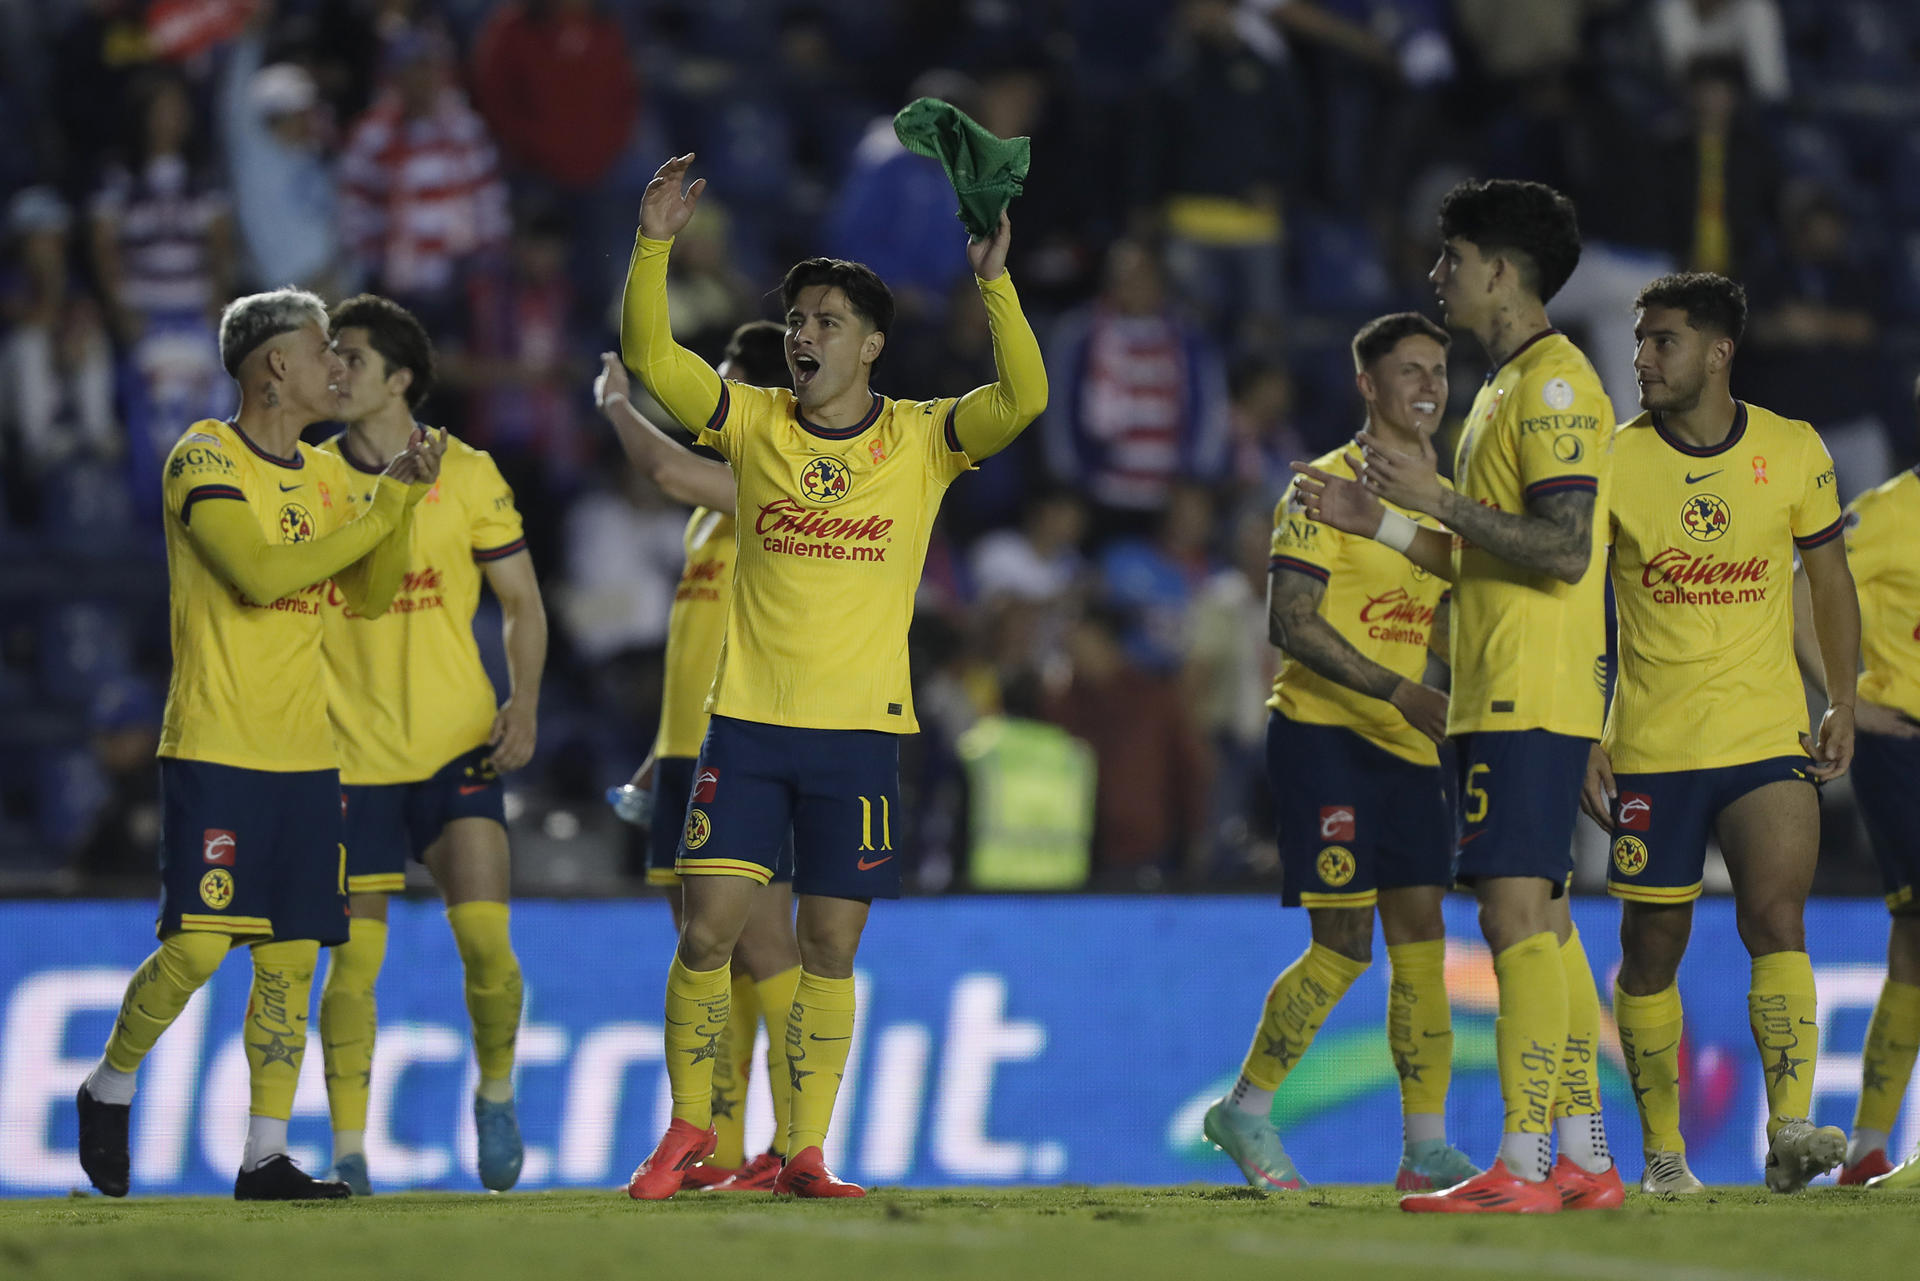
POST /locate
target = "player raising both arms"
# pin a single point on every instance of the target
(766, 960)
(1356, 780)
(1527, 515)
(250, 841)
(1882, 530)
(1707, 732)
(836, 488)
(422, 745)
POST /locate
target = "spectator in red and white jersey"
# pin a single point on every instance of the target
(420, 186)
(555, 80)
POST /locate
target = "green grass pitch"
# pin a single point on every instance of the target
(1180, 1234)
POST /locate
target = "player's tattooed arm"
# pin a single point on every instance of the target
(1553, 536)
(678, 472)
(1294, 623)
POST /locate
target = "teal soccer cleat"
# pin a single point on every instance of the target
(1254, 1147)
(500, 1148)
(352, 1171)
(1432, 1164)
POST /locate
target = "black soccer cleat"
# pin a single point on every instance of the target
(278, 1179)
(103, 1142)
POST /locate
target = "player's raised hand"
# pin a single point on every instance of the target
(514, 733)
(1345, 504)
(988, 254)
(1599, 792)
(1411, 481)
(667, 203)
(1832, 752)
(1424, 707)
(611, 383)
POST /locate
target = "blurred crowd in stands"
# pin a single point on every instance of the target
(1220, 193)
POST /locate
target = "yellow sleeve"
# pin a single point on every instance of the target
(682, 382)
(1559, 415)
(1866, 541)
(229, 537)
(985, 420)
(496, 532)
(1816, 514)
(1302, 544)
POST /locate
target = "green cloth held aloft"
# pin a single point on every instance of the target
(986, 172)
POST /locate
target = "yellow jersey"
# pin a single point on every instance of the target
(248, 687)
(695, 628)
(1529, 651)
(1702, 571)
(831, 524)
(1883, 534)
(1380, 602)
(406, 691)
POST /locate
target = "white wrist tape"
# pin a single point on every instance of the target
(1396, 531)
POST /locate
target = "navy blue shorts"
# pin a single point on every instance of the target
(251, 853)
(389, 822)
(1353, 818)
(836, 792)
(1886, 781)
(1661, 823)
(672, 785)
(1519, 798)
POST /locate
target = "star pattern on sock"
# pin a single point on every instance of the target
(796, 1074)
(1408, 1068)
(1783, 1067)
(275, 1049)
(725, 1106)
(710, 1049)
(1280, 1050)
(1871, 1077)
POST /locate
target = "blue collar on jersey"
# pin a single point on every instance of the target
(844, 433)
(294, 463)
(1708, 451)
(353, 459)
(1514, 355)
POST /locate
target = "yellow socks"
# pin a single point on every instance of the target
(1650, 1041)
(1531, 1034)
(697, 1003)
(1780, 1006)
(158, 991)
(1420, 1033)
(1887, 1060)
(348, 1020)
(1576, 1099)
(776, 1003)
(493, 991)
(819, 1035)
(276, 1027)
(732, 1069)
(1297, 1004)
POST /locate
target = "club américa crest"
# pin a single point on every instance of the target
(825, 480)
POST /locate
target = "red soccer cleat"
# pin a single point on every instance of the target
(757, 1175)
(1582, 1189)
(1495, 1192)
(680, 1148)
(806, 1174)
(707, 1176)
(1871, 1166)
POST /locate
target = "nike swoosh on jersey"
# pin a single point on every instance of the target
(1695, 480)
(468, 789)
(287, 489)
(865, 866)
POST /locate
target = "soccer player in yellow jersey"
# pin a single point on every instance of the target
(1527, 516)
(1882, 531)
(1356, 779)
(836, 490)
(422, 745)
(250, 843)
(1708, 728)
(766, 960)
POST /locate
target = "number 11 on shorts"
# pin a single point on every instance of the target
(866, 824)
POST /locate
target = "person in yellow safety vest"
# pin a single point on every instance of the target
(1030, 793)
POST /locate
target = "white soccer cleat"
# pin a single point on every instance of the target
(1667, 1175)
(1800, 1152)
